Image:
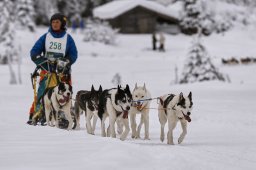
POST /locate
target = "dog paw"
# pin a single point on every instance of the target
(146, 138)
(170, 143)
(180, 140)
(77, 128)
(91, 133)
(137, 137)
(122, 138)
(103, 134)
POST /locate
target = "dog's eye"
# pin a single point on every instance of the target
(142, 96)
(136, 96)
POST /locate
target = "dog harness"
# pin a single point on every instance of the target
(55, 46)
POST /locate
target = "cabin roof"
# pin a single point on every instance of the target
(116, 8)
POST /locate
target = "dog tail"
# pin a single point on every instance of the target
(77, 109)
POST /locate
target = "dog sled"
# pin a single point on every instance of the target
(57, 71)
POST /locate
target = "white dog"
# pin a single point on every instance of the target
(56, 102)
(174, 108)
(141, 106)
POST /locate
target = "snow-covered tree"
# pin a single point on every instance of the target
(72, 8)
(242, 2)
(8, 49)
(88, 12)
(44, 10)
(198, 66)
(100, 32)
(26, 14)
(117, 79)
(196, 15)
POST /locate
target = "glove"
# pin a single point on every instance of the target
(38, 59)
(63, 65)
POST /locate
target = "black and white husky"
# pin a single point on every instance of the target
(56, 102)
(88, 102)
(115, 103)
(174, 108)
(141, 106)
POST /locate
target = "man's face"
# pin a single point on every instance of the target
(56, 24)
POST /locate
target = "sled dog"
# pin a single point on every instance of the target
(174, 108)
(87, 102)
(57, 101)
(141, 106)
(115, 103)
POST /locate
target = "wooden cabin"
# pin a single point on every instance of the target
(140, 16)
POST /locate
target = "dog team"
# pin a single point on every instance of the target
(118, 104)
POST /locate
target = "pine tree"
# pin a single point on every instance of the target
(8, 50)
(199, 66)
(195, 16)
(72, 8)
(88, 12)
(44, 10)
(26, 13)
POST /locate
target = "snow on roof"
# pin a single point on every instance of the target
(118, 7)
(176, 6)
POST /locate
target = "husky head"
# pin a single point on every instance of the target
(184, 105)
(63, 93)
(123, 98)
(94, 98)
(139, 94)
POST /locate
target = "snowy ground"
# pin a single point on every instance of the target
(220, 136)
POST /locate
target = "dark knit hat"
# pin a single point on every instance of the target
(62, 18)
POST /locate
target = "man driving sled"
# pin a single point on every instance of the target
(51, 47)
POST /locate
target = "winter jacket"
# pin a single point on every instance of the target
(39, 47)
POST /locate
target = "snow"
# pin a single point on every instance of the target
(116, 8)
(217, 5)
(220, 136)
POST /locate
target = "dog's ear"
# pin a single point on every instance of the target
(181, 96)
(100, 89)
(118, 88)
(136, 86)
(144, 87)
(127, 88)
(190, 96)
(92, 89)
(161, 101)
